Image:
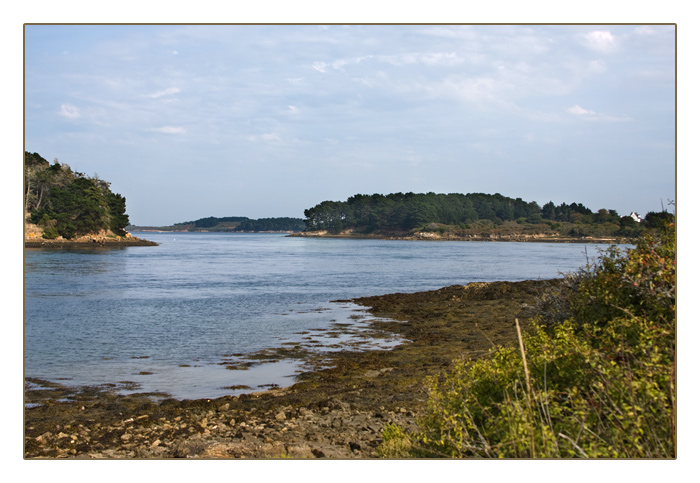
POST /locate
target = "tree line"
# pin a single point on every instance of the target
(408, 211)
(239, 224)
(272, 224)
(68, 203)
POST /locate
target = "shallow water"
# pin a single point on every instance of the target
(166, 317)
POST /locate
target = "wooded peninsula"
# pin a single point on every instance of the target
(472, 216)
(66, 208)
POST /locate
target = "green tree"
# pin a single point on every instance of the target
(117, 213)
(549, 211)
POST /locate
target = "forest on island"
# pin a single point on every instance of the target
(67, 203)
(469, 213)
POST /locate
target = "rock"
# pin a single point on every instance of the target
(221, 450)
(47, 435)
(190, 448)
(300, 450)
(273, 449)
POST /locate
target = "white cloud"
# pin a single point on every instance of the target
(165, 92)
(593, 116)
(70, 111)
(339, 63)
(612, 118)
(409, 58)
(269, 138)
(470, 89)
(399, 60)
(601, 41)
(170, 130)
(441, 58)
(644, 30)
(580, 111)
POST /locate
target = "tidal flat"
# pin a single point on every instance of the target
(337, 407)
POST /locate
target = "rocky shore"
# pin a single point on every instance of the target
(338, 412)
(88, 241)
(495, 237)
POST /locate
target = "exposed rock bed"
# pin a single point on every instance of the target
(88, 241)
(332, 413)
(134, 427)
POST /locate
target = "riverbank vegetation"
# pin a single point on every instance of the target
(593, 377)
(470, 215)
(66, 203)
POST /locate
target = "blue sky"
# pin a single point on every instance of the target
(189, 121)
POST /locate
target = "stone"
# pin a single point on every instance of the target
(300, 451)
(190, 448)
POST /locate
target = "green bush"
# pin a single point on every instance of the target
(600, 384)
(50, 233)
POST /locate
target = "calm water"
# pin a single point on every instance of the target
(177, 311)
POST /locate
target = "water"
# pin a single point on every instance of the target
(165, 318)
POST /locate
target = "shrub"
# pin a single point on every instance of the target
(599, 384)
(50, 233)
(396, 443)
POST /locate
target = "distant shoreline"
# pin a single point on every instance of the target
(155, 230)
(430, 236)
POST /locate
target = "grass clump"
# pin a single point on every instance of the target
(600, 384)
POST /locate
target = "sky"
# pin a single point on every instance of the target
(191, 121)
